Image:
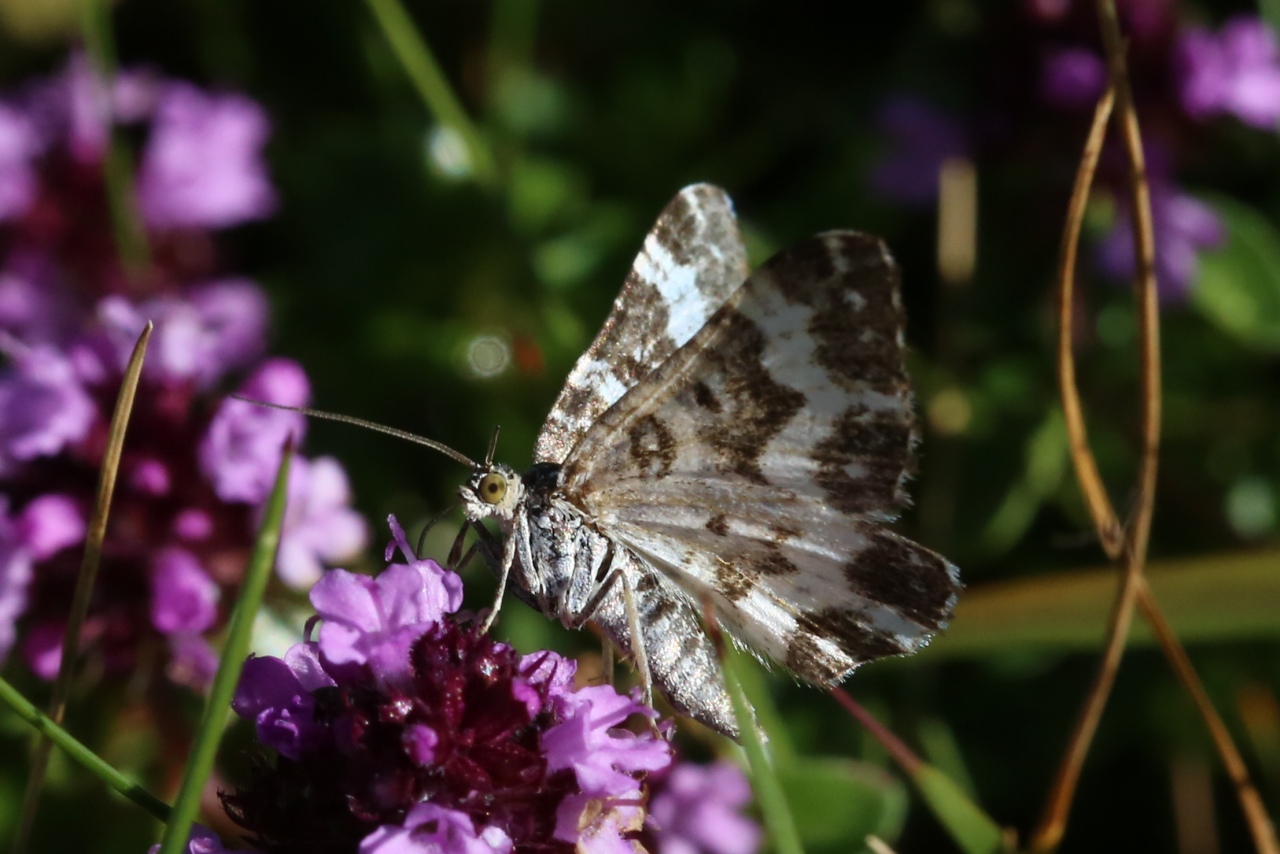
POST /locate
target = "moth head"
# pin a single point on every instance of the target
(492, 490)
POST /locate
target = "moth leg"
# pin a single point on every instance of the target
(504, 571)
(486, 545)
(606, 660)
(638, 653)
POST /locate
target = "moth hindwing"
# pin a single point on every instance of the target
(742, 439)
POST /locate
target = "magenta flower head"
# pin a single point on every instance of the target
(401, 727)
(919, 137)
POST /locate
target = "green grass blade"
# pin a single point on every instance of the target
(83, 593)
(968, 826)
(218, 706)
(421, 66)
(764, 780)
(81, 754)
(1216, 597)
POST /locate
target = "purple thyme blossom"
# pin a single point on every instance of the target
(1236, 71)
(401, 728)
(202, 840)
(1184, 226)
(45, 527)
(209, 331)
(43, 408)
(1072, 77)
(193, 475)
(319, 525)
(18, 146)
(203, 163)
(429, 829)
(184, 598)
(920, 137)
(241, 450)
(697, 809)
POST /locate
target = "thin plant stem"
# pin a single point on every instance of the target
(83, 593)
(117, 166)
(1260, 825)
(218, 705)
(764, 779)
(1128, 544)
(420, 64)
(80, 753)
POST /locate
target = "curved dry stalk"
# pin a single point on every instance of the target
(1130, 550)
(1260, 824)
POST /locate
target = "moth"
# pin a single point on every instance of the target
(732, 438)
(737, 438)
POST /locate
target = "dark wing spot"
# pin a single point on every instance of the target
(809, 661)
(877, 445)
(906, 577)
(732, 582)
(718, 525)
(705, 397)
(652, 447)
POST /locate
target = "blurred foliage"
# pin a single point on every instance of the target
(416, 299)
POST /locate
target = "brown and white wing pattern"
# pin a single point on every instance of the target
(691, 262)
(759, 462)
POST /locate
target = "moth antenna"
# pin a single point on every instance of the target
(426, 529)
(493, 445)
(369, 425)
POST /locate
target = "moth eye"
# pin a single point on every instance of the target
(492, 487)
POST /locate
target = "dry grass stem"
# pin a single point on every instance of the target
(1126, 544)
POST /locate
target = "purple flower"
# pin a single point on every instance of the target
(1235, 71)
(919, 138)
(319, 525)
(201, 336)
(1072, 77)
(430, 829)
(43, 408)
(1184, 227)
(401, 728)
(697, 809)
(241, 451)
(184, 598)
(193, 475)
(202, 840)
(203, 163)
(18, 146)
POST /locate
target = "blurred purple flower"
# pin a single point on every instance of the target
(919, 138)
(1072, 77)
(43, 408)
(697, 809)
(183, 597)
(401, 728)
(209, 331)
(193, 475)
(240, 453)
(203, 166)
(1184, 227)
(18, 148)
(320, 528)
(1235, 71)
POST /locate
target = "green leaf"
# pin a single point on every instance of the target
(1239, 285)
(218, 706)
(968, 826)
(1207, 598)
(837, 803)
